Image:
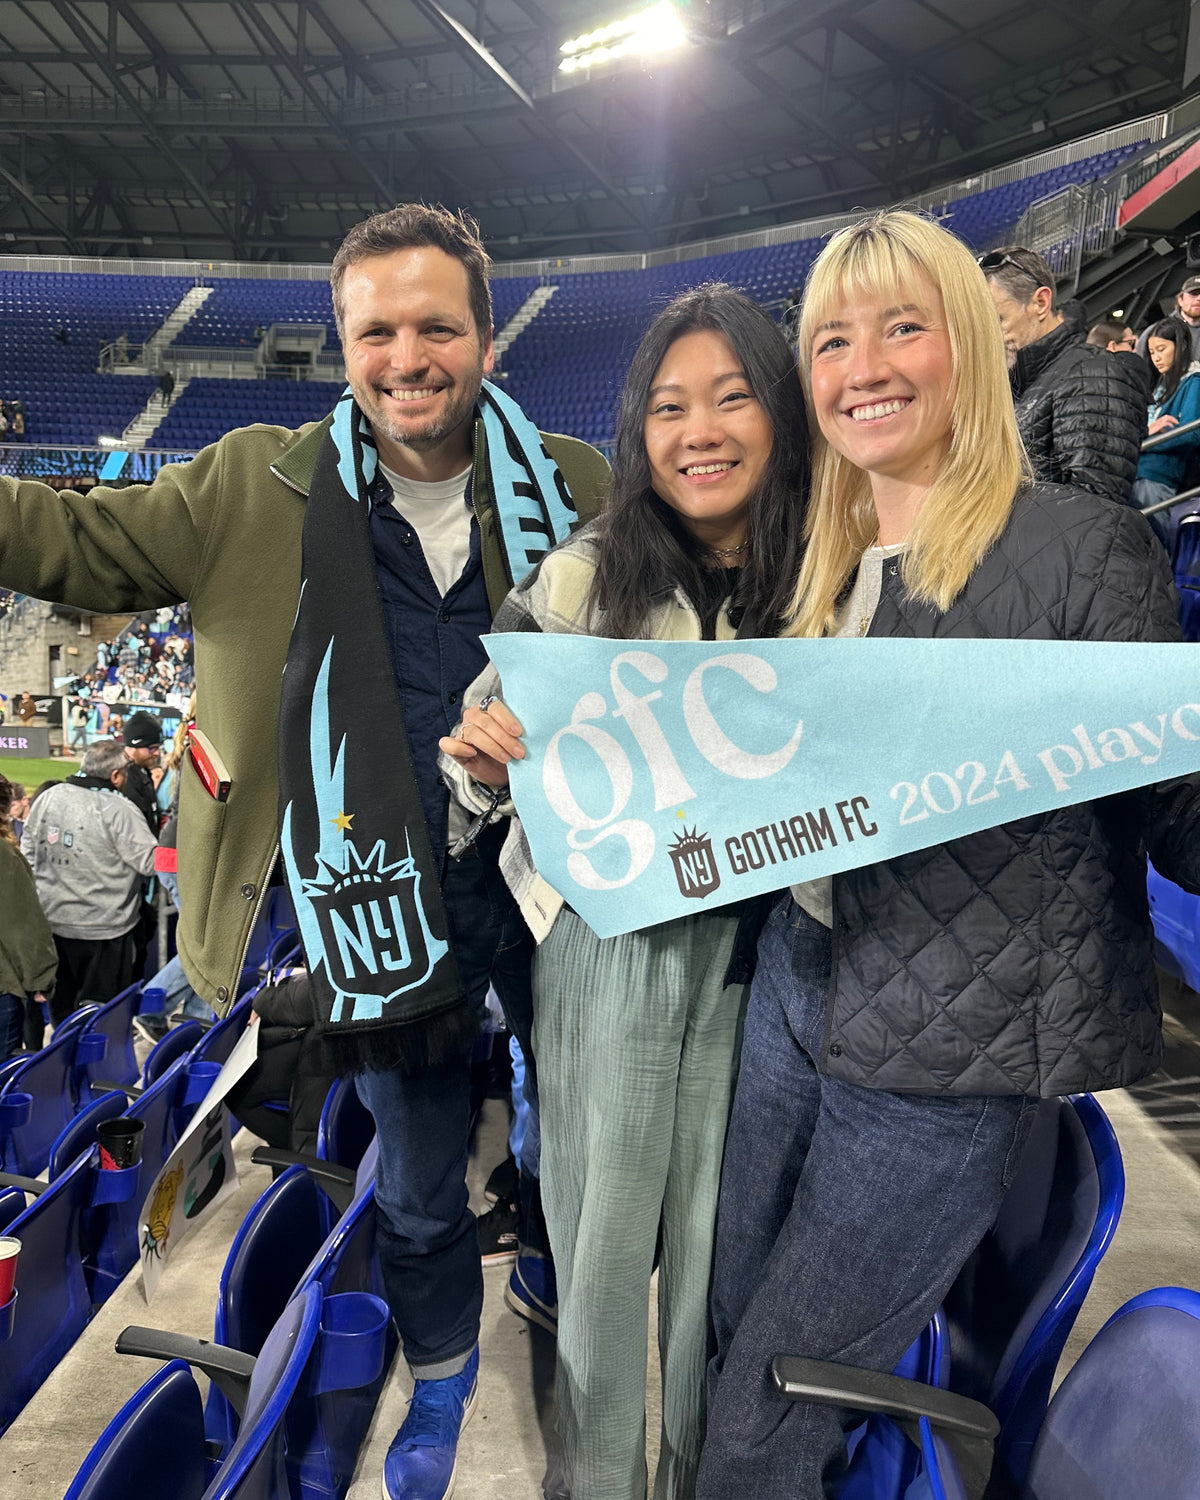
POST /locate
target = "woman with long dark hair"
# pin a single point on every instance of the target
(1174, 402)
(635, 1036)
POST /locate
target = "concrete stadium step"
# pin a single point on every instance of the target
(522, 318)
(146, 423)
(188, 306)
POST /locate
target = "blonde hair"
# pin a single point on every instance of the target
(969, 502)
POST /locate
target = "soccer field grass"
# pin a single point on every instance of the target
(31, 772)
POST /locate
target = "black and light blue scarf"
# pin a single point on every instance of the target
(362, 875)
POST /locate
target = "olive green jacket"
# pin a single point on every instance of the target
(28, 957)
(223, 533)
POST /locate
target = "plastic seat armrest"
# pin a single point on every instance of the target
(967, 1427)
(131, 1091)
(229, 1369)
(338, 1181)
(32, 1185)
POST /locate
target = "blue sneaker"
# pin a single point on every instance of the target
(532, 1291)
(420, 1463)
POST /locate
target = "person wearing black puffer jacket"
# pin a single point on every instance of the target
(1081, 414)
(906, 1017)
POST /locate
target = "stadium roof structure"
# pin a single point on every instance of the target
(263, 129)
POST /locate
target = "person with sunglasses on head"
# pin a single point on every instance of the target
(1081, 415)
(636, 1035)
(907, 1016)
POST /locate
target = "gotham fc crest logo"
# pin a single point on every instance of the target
(695, 865)
(374, 934)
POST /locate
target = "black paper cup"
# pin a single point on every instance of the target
(120, 1143)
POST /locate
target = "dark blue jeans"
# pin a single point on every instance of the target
(12, 1023)
(845, 1215)
(428, 1247)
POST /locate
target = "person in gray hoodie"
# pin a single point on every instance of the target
(89, 849)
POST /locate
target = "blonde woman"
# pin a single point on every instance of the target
(905, 1018)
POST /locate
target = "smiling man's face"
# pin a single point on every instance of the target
(415, 359)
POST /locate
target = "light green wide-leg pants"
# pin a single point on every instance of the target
(635, 1038)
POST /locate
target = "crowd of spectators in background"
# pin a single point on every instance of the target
(150, 663)
(12, 421)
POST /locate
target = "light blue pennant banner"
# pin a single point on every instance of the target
(663, 778)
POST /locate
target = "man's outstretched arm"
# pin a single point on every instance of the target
(109, 550)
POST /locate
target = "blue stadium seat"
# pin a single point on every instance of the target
(346, 1127)
(1014, 1304)
(79, 1135)
(317, 1345)
(178, 1040)
(53, 1304)
(1125, 1420)
(114, 1022)
(1176, 916)
(219, 1041)
(47, 1080)
(274, 1244)
(153, 1446)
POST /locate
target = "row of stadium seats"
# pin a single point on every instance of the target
(566, 368)
(210, 408)
(236, 308)
(81, 1233)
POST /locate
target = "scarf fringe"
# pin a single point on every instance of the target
(410, 1047)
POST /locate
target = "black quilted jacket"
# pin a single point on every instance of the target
(1019, 960)
(1081, 412)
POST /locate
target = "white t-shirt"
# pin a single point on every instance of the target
(440, 513)
(816, 896)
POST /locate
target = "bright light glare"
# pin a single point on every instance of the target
(104, 441)
(648, 33)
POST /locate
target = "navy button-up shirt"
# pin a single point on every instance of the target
(434, 642)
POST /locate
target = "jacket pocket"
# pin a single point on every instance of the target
(201, 824)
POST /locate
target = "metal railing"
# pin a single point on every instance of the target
(1149, 128)
(1161, 505)
(1077, 224)
(1157, 441)
(1161, 438)
(213, 362)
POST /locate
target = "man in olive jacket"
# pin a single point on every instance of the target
(224, 534)
(28, 957)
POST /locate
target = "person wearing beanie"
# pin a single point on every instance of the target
(142, 739)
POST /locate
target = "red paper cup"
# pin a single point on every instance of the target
(10, 1248)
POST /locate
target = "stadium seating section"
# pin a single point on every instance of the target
(209, 408)
(565, 368)
(236, 308)
(65, 400)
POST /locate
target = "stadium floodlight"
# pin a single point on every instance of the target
(647, 33)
